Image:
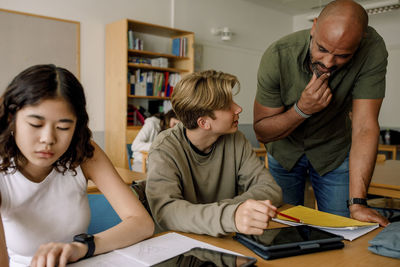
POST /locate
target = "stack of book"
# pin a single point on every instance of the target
(139, 60)
(152, 83)
(179, 47)
(161, 62)
(134, 43)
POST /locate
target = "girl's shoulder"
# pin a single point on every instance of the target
(152, 119)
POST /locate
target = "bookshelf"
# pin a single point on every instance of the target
(157, 44)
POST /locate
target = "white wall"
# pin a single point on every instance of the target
(388, 26)
(93, 16)
(255, 28)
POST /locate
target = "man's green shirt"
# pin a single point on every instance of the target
(325, 137)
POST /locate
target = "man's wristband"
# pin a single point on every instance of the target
(301, 113)
(361, 201)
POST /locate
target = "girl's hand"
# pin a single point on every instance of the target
(58, 254)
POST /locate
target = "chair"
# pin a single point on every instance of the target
(129, 155)
(145, 155)
(380, 158)
(389, 148)
(103, 215)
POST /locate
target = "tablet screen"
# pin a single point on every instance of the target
(293, 235)
(207, 258)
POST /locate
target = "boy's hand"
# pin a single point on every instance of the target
(252, 216)
(58, 254)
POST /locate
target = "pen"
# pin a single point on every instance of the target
(289, 217)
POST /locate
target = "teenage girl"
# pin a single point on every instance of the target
(47, 157)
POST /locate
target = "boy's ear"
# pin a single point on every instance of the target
(203, 123)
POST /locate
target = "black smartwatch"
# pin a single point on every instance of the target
(361, 201)
(89, 241)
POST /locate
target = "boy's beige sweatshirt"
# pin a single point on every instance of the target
(196, 193)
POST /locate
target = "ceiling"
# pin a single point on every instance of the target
(296, 7)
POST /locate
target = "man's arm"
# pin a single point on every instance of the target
(363, 151)
(272, 124)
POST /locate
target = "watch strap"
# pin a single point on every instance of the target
(361, 201)
(89, 241)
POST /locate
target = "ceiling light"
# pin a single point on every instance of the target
(372, 8)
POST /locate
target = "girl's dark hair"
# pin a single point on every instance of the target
(31, 86)
(166, 118)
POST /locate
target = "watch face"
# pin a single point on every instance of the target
(83, 237)
(89, 241)
(361, 201)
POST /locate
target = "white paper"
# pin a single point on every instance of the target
(348, 233)
(108, 260)
(148, 252)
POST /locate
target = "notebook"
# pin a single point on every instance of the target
(350, 229)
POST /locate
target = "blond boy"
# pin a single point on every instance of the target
(203, 175)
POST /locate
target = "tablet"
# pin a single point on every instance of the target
(207, 258)
(290, 241)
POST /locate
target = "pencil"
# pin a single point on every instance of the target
(289, 217)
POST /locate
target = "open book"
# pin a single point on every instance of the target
(147, 252)
(350, 229)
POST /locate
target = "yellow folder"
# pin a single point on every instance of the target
(319, 218)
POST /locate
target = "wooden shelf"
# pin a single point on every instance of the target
(163, 31)
(130, 127)
(149, 97)
(149, 67)
(150, 54)
(118, 97)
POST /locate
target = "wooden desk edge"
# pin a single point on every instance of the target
(127, 176)
(351, 250)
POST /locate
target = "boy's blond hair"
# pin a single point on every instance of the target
(200, 93)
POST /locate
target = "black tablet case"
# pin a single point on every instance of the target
(286, 252)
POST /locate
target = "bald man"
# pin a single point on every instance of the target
(318, 98)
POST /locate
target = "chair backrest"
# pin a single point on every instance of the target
(145, 155)
(103, 215)
(129, 155)
(380, 158)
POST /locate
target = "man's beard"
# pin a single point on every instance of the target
(316, 70)
(314, 64)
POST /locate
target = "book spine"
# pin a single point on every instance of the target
(180, 47)
(184, 46)
(132, 81)
(165, 89)
(175, 47)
